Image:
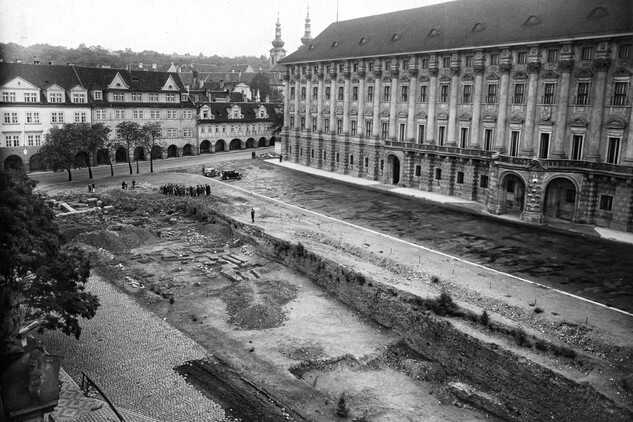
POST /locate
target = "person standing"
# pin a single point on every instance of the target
(281, 157)
(253, 215)
(133, 183)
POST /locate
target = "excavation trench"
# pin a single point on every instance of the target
(251, 298)
(482, 373)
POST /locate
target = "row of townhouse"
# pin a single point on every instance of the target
(523, 105)
(36, 97)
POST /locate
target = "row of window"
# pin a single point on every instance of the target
(34, 117)
(619, 97)
(234, 114)
(33, 97)
(175, 133)
(232, 128)
(625, 51)
(138, 97)
(80, 98)
(576, 147)
(143, 114)
(32, 140)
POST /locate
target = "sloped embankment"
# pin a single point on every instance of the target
(486, 375)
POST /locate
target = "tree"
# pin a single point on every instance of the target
(261, 83)
(277, 123)
(90, 139)
(36, 268)
(152, 132)
(60, 149)
(111, 145)
(129, 133)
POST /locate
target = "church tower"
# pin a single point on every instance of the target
(277, 52)
(307, 37)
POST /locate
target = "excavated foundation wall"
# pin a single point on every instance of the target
(522, 389)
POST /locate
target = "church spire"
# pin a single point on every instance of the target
(277, 52)
(278, 42)
(307, 37)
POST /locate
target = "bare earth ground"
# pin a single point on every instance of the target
(266, 323)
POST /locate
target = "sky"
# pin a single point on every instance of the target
(184, 26)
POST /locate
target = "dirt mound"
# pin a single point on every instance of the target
(259, 316)
(117, 241)
(258, 305)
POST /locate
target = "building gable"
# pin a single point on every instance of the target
(19, 83)
(170, 85)
(118, 82)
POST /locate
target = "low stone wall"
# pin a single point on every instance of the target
(523, 390)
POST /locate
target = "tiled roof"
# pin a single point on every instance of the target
(139, 81)
(467, 24)
(40, 75)
(249, 111)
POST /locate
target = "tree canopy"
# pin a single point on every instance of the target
(152, 132)
(61, 148)
(97, 55)
(37, 269)
(130, 135)
(91, 138)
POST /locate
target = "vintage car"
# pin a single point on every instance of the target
(209, 171)
(231, 174)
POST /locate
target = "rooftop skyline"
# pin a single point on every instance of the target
(190, 26)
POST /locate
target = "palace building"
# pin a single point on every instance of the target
(524, 106)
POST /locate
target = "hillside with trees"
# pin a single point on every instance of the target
(96, 55)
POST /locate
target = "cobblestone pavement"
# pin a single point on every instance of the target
(130, 354)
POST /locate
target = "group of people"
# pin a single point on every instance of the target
(124, 185)
(182, 190)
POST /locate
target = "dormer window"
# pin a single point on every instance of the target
(98, 95)
(79, 98)
(395, 37)
(184, 97)
(362, 41)
(30, 97)
(55, 97)
(335, 44)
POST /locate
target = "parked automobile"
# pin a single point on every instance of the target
(210, 171)
(231, 174)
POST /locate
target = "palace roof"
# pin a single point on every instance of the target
(466, 24)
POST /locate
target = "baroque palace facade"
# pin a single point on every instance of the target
(36, 97)
(524, 106)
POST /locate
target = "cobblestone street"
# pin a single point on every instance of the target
(130, 353)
